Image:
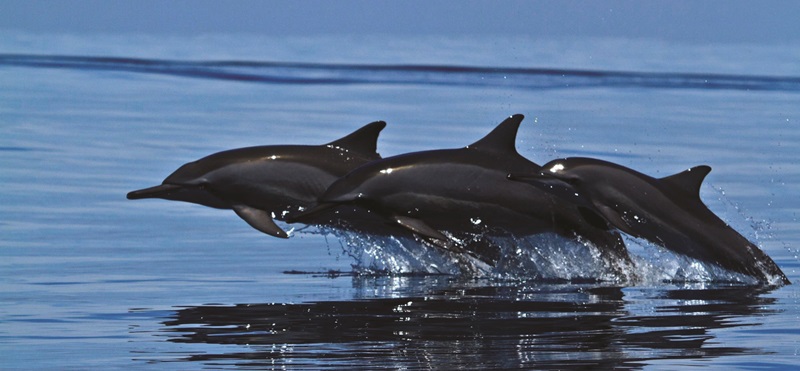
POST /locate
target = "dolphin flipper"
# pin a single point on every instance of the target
(615, 219)
(260, 220)
(303, 216)
(419, 227)
(437, 238)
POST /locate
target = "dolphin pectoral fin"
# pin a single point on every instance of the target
(430, 235)
(594, 219)
(260, 220)
(613, 218)
(308, 214)
(419, 227)
(438, 239)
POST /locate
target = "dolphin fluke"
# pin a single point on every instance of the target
(309, 213)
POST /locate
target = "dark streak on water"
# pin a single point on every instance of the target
(319, 73)
(15, 149)
(496, 327)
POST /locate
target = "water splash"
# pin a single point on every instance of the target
(544, 257)
(379, 254)
(656, 265)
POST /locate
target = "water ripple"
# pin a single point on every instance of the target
(470, 76)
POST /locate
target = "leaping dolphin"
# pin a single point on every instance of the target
(666, 211)
(266, 182)
(464, 190)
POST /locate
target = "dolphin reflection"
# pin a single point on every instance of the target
(555, 326)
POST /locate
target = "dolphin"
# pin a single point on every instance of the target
(666, 211)
(267, 182)
(463, 190)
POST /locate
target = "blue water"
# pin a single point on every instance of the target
(89, 279)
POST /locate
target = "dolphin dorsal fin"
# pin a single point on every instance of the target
(363, 140)
(688, 181)
(503, 138)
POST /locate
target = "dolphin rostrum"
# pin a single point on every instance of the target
(266, 182)
(464, 190)
(666, 211)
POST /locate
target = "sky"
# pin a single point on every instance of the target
(709, 21)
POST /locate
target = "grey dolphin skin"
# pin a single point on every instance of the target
(666, 211)
(266, 182)
(464, 190)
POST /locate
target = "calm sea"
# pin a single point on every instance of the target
(90, 280)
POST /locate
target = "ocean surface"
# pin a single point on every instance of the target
(91, 280)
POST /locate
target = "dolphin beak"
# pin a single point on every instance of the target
(158, 191)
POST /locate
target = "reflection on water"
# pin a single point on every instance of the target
(440, 323)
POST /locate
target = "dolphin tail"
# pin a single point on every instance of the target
(769, 267)
(753, 261)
